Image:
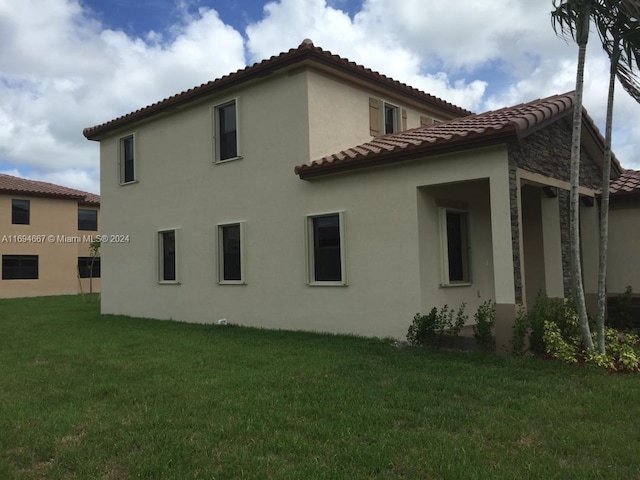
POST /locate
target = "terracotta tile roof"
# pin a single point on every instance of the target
(306, 51)
(626, 184)
(461, 133)
(21, 186)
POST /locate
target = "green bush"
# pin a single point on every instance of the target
(564, 342)
(485, 318)
(437, 326)
(423, 328)
(546, 309)
(622, 316)
(520, 331)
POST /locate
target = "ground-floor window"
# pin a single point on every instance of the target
(19, 267)
(85, 270)
(325, 235)
(167, 256)
(230, 253)
(454, 229)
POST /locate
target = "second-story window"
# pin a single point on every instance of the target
(226, 131)
(20, 212)
(87, 219)
(385, 118)
(390, 119)
(127, 159)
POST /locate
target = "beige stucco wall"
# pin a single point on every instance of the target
(389, 234)
(339, 113)
(58, 244)
(624, 248)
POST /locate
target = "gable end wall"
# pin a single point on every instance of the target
(548, 152)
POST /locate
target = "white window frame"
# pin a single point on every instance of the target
(397, 118)
(160, 261)
(444, 248)
(121, 159)
(220, 249)
(215, 129)
(309, 238)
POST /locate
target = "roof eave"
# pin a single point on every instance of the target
(408, 154)
(9, 191)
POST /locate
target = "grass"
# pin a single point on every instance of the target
(108, 397)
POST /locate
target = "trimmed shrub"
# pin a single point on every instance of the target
(485, 317)
(437, 326)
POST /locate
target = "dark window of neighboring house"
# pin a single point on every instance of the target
(168, 255)
(231, 252)
(457, 246)
(390, 119)
(19, 267)
(327, 260)
(20, 212)
(84, 265)
(87, 219)
(227, 131)
(127, 159)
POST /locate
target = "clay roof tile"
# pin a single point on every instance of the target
(21, 186)
(626, 184)
(305, 51)
(516, 120)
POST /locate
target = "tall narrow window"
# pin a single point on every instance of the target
(390, 118)
(455, 243)
(167, 256)
(227, 131)
(20, 212)
(19, 267)
(230, 253)
(87, 219)
(326, 255)
(127, 159)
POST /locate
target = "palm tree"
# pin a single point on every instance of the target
(573, 17)
(618, 26)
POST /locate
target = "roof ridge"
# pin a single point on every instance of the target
(306, 49)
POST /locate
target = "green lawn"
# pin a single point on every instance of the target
(84, 396)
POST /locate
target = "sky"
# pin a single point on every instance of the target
(70, 64)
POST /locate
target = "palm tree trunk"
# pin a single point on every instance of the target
(574, 198)
(604, 205)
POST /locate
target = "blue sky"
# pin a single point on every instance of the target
(140, 16)
(70, 64)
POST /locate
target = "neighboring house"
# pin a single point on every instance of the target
(624, 234)
(308, 192)
(45, 231)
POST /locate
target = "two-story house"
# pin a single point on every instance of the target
(308, 192)
(45, 232)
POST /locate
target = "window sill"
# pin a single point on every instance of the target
(453, 285)
(232, 282)
(328, 284)
(169, 282)
(227, 160)
(123, 184)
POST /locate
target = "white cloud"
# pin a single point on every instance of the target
(362, 40)
(63, 72)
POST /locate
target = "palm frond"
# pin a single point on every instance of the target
(569, 18)
(619, 30)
